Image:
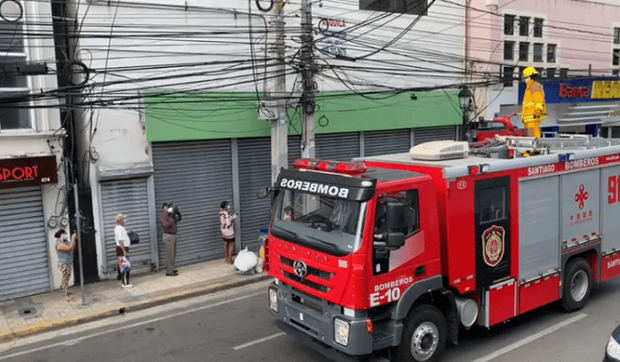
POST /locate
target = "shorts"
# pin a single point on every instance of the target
(229, 240)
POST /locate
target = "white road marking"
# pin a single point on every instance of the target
(128, 326)
(531, 338)
(260, 340)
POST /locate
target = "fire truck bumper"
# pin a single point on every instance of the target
(316, 322)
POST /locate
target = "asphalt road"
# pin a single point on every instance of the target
(236, 326)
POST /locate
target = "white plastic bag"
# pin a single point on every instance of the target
(245, 260)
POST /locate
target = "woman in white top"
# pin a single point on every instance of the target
(122, 248)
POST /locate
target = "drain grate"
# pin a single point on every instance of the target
(28, 311)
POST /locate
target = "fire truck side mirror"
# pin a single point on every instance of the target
(395, 218)
(395, 239)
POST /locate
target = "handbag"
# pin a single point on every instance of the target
(134, 238)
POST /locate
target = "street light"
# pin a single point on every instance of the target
(467, 105)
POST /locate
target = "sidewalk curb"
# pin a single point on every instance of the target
(59, 323)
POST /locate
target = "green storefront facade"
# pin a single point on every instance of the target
(211, 147)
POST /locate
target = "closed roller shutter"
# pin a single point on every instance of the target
(196, 176)
(254, 174)
(24, 259)
(128, 196)
(338, 146)
(422, 135)
(385, 142)
(294, 149)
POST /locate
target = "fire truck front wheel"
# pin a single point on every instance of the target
(577, 285)
(424, 335)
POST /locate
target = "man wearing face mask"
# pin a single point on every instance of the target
(534, 109)
(169, 219)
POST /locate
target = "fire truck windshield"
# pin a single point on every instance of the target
(329, 224)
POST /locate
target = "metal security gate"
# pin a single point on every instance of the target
(388, 141)
(254, 155)
(196, 176)
(24, 259)
(422, 135)
(294, 149)
(126, 196)
(338, 146)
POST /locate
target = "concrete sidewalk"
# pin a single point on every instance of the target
(44, 312)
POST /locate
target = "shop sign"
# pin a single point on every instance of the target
(29, 171)
(581, 90)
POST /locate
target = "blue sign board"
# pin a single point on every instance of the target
(578, 90)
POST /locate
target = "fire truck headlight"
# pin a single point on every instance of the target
(613, 348)
(273, 300)
(341, 331)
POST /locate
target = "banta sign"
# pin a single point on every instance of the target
(30, 171)
(574, 92)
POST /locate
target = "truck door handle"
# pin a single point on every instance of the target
(420, 271)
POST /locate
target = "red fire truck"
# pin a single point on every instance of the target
(395, 252)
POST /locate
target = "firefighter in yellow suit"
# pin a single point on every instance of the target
(534, 109)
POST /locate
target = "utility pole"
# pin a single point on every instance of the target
(277, 93)
(308, 70)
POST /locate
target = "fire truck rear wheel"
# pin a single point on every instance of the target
(577, 285)
(424, 335)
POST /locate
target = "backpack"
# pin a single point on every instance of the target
(134, 238)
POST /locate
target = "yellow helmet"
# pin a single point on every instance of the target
(529, 71)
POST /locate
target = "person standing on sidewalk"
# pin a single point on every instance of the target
(169, 222)
(227, 228)
(122, 247)
(64, 250)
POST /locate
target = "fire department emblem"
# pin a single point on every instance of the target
(493, 245)
(581, 197)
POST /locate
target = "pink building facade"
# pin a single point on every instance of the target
(560, 38)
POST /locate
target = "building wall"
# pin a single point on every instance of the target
(195, 69)
(582, 30)
(46, 136)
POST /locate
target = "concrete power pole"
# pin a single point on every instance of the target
(277, 94)
(308, 70)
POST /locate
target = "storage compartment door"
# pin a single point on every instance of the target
(500, 302)
(579, 206)
(610, 206)
(539, 244)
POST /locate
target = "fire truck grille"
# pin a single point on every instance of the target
(311, 270)
(313, 285)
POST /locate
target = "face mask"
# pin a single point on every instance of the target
(65, 238)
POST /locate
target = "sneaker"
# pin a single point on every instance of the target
(127, 285)
(172, 274)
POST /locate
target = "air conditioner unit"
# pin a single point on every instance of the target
(439, 150)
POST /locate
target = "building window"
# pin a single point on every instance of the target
(538, 27)
(616, 35)
(509, 50)
(615, 72)
(416, 7)
(507, 76)
(524, 25)
(563, 72)
(616, 57)
(524, 49)
(550, 73)
(12, 54)
(509, 24)
(538, 52)
(551, 53)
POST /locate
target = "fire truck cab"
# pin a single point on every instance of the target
(397, 251)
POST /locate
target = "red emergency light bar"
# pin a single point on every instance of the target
(349, 168)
